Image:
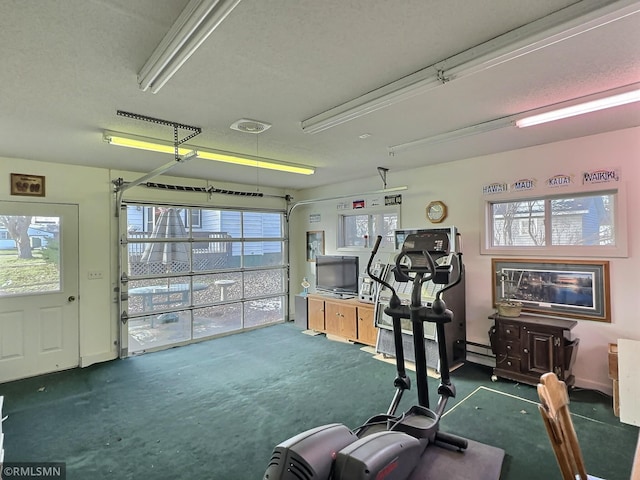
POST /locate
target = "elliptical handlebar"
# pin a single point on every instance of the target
(369, 272)
(394, 301)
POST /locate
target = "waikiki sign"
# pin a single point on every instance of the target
(600, 176)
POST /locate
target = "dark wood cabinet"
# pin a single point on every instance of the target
(527, 347)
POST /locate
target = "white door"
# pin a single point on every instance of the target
(39, 330)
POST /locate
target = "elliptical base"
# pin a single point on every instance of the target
(309, 454)
(388, 455)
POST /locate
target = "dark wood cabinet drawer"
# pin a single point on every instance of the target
(511, 348)
(508, 331)
(507, 347)
(511, 364)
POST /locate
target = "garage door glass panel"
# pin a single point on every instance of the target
(261, 225)
(160, 294)
(156, 331)
(211, 252)
(263, 311)
(211, 321)
(263, 254)
(263, 282)
(220, 287)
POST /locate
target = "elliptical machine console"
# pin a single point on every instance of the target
(388, 445)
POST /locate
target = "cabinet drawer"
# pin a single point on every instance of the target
(512, 364)
(509, 348)
(508, 331)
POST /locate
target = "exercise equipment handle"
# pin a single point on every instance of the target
(370, 273)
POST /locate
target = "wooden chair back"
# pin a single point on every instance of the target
(555, 413)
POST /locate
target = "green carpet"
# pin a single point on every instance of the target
(515, 425)
(216, 409)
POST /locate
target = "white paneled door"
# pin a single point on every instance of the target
(39, 330)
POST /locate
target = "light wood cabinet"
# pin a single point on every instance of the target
(340, 319)
(315, 311)
(348, 318)
(367, 331)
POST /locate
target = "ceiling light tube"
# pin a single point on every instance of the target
(196, 22)
(464, 132)
(580, 109)
(140, 144)
(152, 145)
(403, 89)
(251, 161)
(566, 23)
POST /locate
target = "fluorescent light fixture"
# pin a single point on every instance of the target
(196, 22)
(582, 108)
(566, 23)
(152, 145)
(618, 96)
(454, 134)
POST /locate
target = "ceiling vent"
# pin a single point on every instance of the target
(250, 126)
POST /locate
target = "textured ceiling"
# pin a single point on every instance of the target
(69, 65)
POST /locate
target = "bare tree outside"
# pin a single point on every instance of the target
(569, 220)
(18, 228)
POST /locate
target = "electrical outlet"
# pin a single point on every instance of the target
(94, 275)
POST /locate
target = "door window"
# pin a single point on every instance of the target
(29, 255)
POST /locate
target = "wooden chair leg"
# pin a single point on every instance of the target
(635, 472)
(557, 445)
(555, 410)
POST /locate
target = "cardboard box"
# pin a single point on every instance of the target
(613, 361)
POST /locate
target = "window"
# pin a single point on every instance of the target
(361, 230)
(555, 222)
(191, 217)
(30, 263)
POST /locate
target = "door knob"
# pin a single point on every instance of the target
(71, 298)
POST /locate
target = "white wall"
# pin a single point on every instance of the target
(459, 185)
(90, 189)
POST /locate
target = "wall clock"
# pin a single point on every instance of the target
(436, 211)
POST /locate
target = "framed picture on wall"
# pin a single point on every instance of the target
(563, 288)
(315, 245)
(27, 185)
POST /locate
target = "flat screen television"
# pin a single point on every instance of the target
(337, 274)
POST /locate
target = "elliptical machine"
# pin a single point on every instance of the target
(387, 445)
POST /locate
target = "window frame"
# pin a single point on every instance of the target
(340, 241)
(620, 249)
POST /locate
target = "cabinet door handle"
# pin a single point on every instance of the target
(526, 350)
(508, 347)
(509, 363)
(508, 331)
